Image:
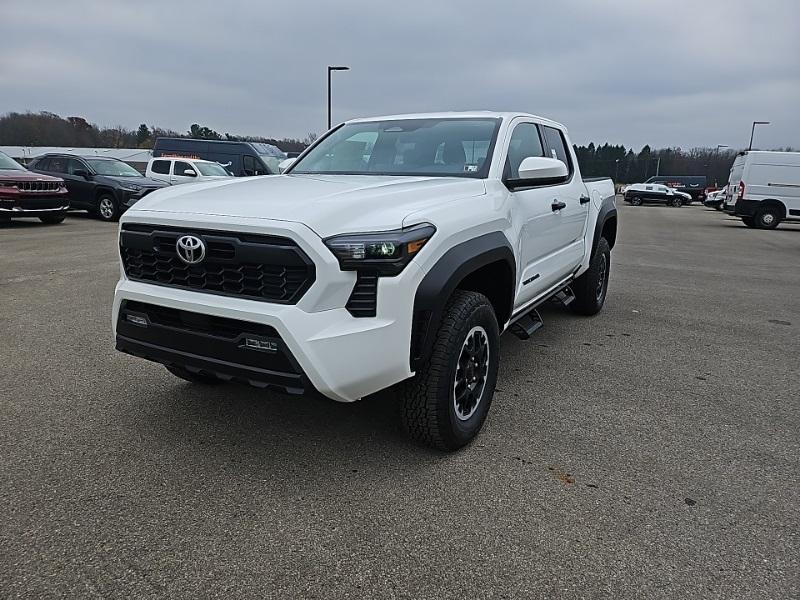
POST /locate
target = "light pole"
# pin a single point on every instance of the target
(753, 130)
(720, 146)
(329, 89)
(616, 170)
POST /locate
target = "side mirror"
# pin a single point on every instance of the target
(189, 173)
(285, 164)
(81, 173)
(538, 168)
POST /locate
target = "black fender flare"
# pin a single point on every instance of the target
(441, 281)
(608, 210)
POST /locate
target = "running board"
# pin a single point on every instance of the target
(527, 325)
(564, 297)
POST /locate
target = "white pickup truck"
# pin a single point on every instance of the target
(395, 250)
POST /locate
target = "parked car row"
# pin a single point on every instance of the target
(641, 193)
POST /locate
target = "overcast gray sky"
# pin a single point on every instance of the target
(669, 73)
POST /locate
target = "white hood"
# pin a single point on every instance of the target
(328, 204)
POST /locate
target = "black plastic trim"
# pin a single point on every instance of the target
(441, 280)
(608, 210)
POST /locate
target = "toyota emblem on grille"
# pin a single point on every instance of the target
(190, 249)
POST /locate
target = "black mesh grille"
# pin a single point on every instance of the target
(363, 301)
(267, 268)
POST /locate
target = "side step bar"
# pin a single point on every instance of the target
(527, 325)
(564, 297)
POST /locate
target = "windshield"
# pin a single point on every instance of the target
(6, 162)
(115, 168)
(424, 147)
(211, 169)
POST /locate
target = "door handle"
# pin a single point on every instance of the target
(556, 205)
(585, 199)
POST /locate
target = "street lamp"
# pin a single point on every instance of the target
(753, 130)
(720, 146)
(329, 89)
(616, 170)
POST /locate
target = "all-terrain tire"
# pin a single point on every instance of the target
(194, 377)
(439, 408)
(590, 289)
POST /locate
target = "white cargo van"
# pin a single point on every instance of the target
(174, 170)
(764, 188)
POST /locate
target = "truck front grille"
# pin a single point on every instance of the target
(259, 267)
(38, 186)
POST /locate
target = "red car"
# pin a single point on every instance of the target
(27, 194)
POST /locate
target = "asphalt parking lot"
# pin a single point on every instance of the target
(651, 451)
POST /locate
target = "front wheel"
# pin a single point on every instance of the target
(636, 201)
(107, 208)
(676, 202)
(445, 404)
(590, 288)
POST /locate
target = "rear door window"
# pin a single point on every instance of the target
(58, 164)
(161, 167)
(557, 146)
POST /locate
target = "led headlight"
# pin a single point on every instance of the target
(132, 187)
(387, 252)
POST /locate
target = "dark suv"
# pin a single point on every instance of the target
(106, 187)
(26, 194)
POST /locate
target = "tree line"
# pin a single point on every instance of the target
(49, 129)
(615, 161)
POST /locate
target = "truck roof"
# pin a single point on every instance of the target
(473, 114)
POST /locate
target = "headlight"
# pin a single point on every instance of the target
(387, 252)
(132, 187)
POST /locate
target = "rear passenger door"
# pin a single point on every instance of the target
(160, 170)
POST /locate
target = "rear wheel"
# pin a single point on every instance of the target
(445, 404)
(194, 377)
(52, 219)
(768, 217)
(590, 288)
(107, 209)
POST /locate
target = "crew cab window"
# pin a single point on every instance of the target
(525, 142)
(181, 166)
(161, 167)
(555, 141)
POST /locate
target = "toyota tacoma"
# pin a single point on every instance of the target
(392, 253)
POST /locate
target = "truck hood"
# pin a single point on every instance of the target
(328, 204)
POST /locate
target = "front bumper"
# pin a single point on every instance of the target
(33, 207)
(342, 356)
